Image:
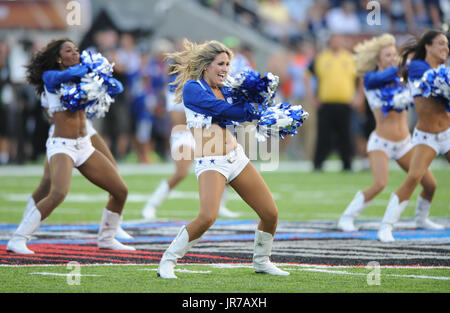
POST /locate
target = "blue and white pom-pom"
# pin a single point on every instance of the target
(436, 82)
(252, 87)
(281, 119)
(92, 92)
(396, 97)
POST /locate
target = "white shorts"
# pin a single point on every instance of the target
(90, 130)
(393, 149)
(230, 165)
(440, 142)
(79, 149)
(178, 139)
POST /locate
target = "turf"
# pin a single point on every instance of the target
(137, 279)
(300, 196)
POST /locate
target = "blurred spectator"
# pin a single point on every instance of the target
(298, 17)
(116, 127)
(401, 15)
(420, 13)
(435, 12)
(152, 121)
(344, 19)
(303, 53)
(24, 101)
(334, 69)
(246, 13)
(427, 13)
(247, 51)
(274, 19)
(239, 62)
(6, 98)
(316, 21)
(278, 65)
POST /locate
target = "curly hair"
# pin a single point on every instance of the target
(192, 61)
(367, 53)
(44, 60)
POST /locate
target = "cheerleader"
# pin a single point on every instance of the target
(431, 135)
(43, 188)
(376, 61)
(182, 149)
(70, 146)
(219, 159)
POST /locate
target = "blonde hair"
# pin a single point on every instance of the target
(192, 61)
(367, 53)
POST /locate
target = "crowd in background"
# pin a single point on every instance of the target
(138, 123)
(286, 20)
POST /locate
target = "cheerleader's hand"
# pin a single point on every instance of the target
(114, 87)
(77, 70)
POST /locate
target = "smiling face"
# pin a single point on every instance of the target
(438, 50)
(69, 55)
(216, 72)
(388, 57)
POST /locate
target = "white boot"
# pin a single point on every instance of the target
(30, 205)
(223, 210)
(421, 216)
(160, 194)
(353, 210)
(120, 232)
(391, 216)
(177, 249)
(108, 227)
(28, 226)
(263, 248)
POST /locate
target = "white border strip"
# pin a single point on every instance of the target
(244, 265)
(169, 167)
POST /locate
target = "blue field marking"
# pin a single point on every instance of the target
(244, 234)
(418, 234)
(137, 225)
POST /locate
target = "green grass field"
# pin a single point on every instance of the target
(137, 279)
(300, 196)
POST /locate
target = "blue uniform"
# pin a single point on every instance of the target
(383, 91)
(202, 105)
(416, 71)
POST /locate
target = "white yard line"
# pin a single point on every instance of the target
(293, 267)
(168, 168)
(103, 197)
(365, 274)
(247, 265)
(63, 274)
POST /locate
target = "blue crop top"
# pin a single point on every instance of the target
(202, 108)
